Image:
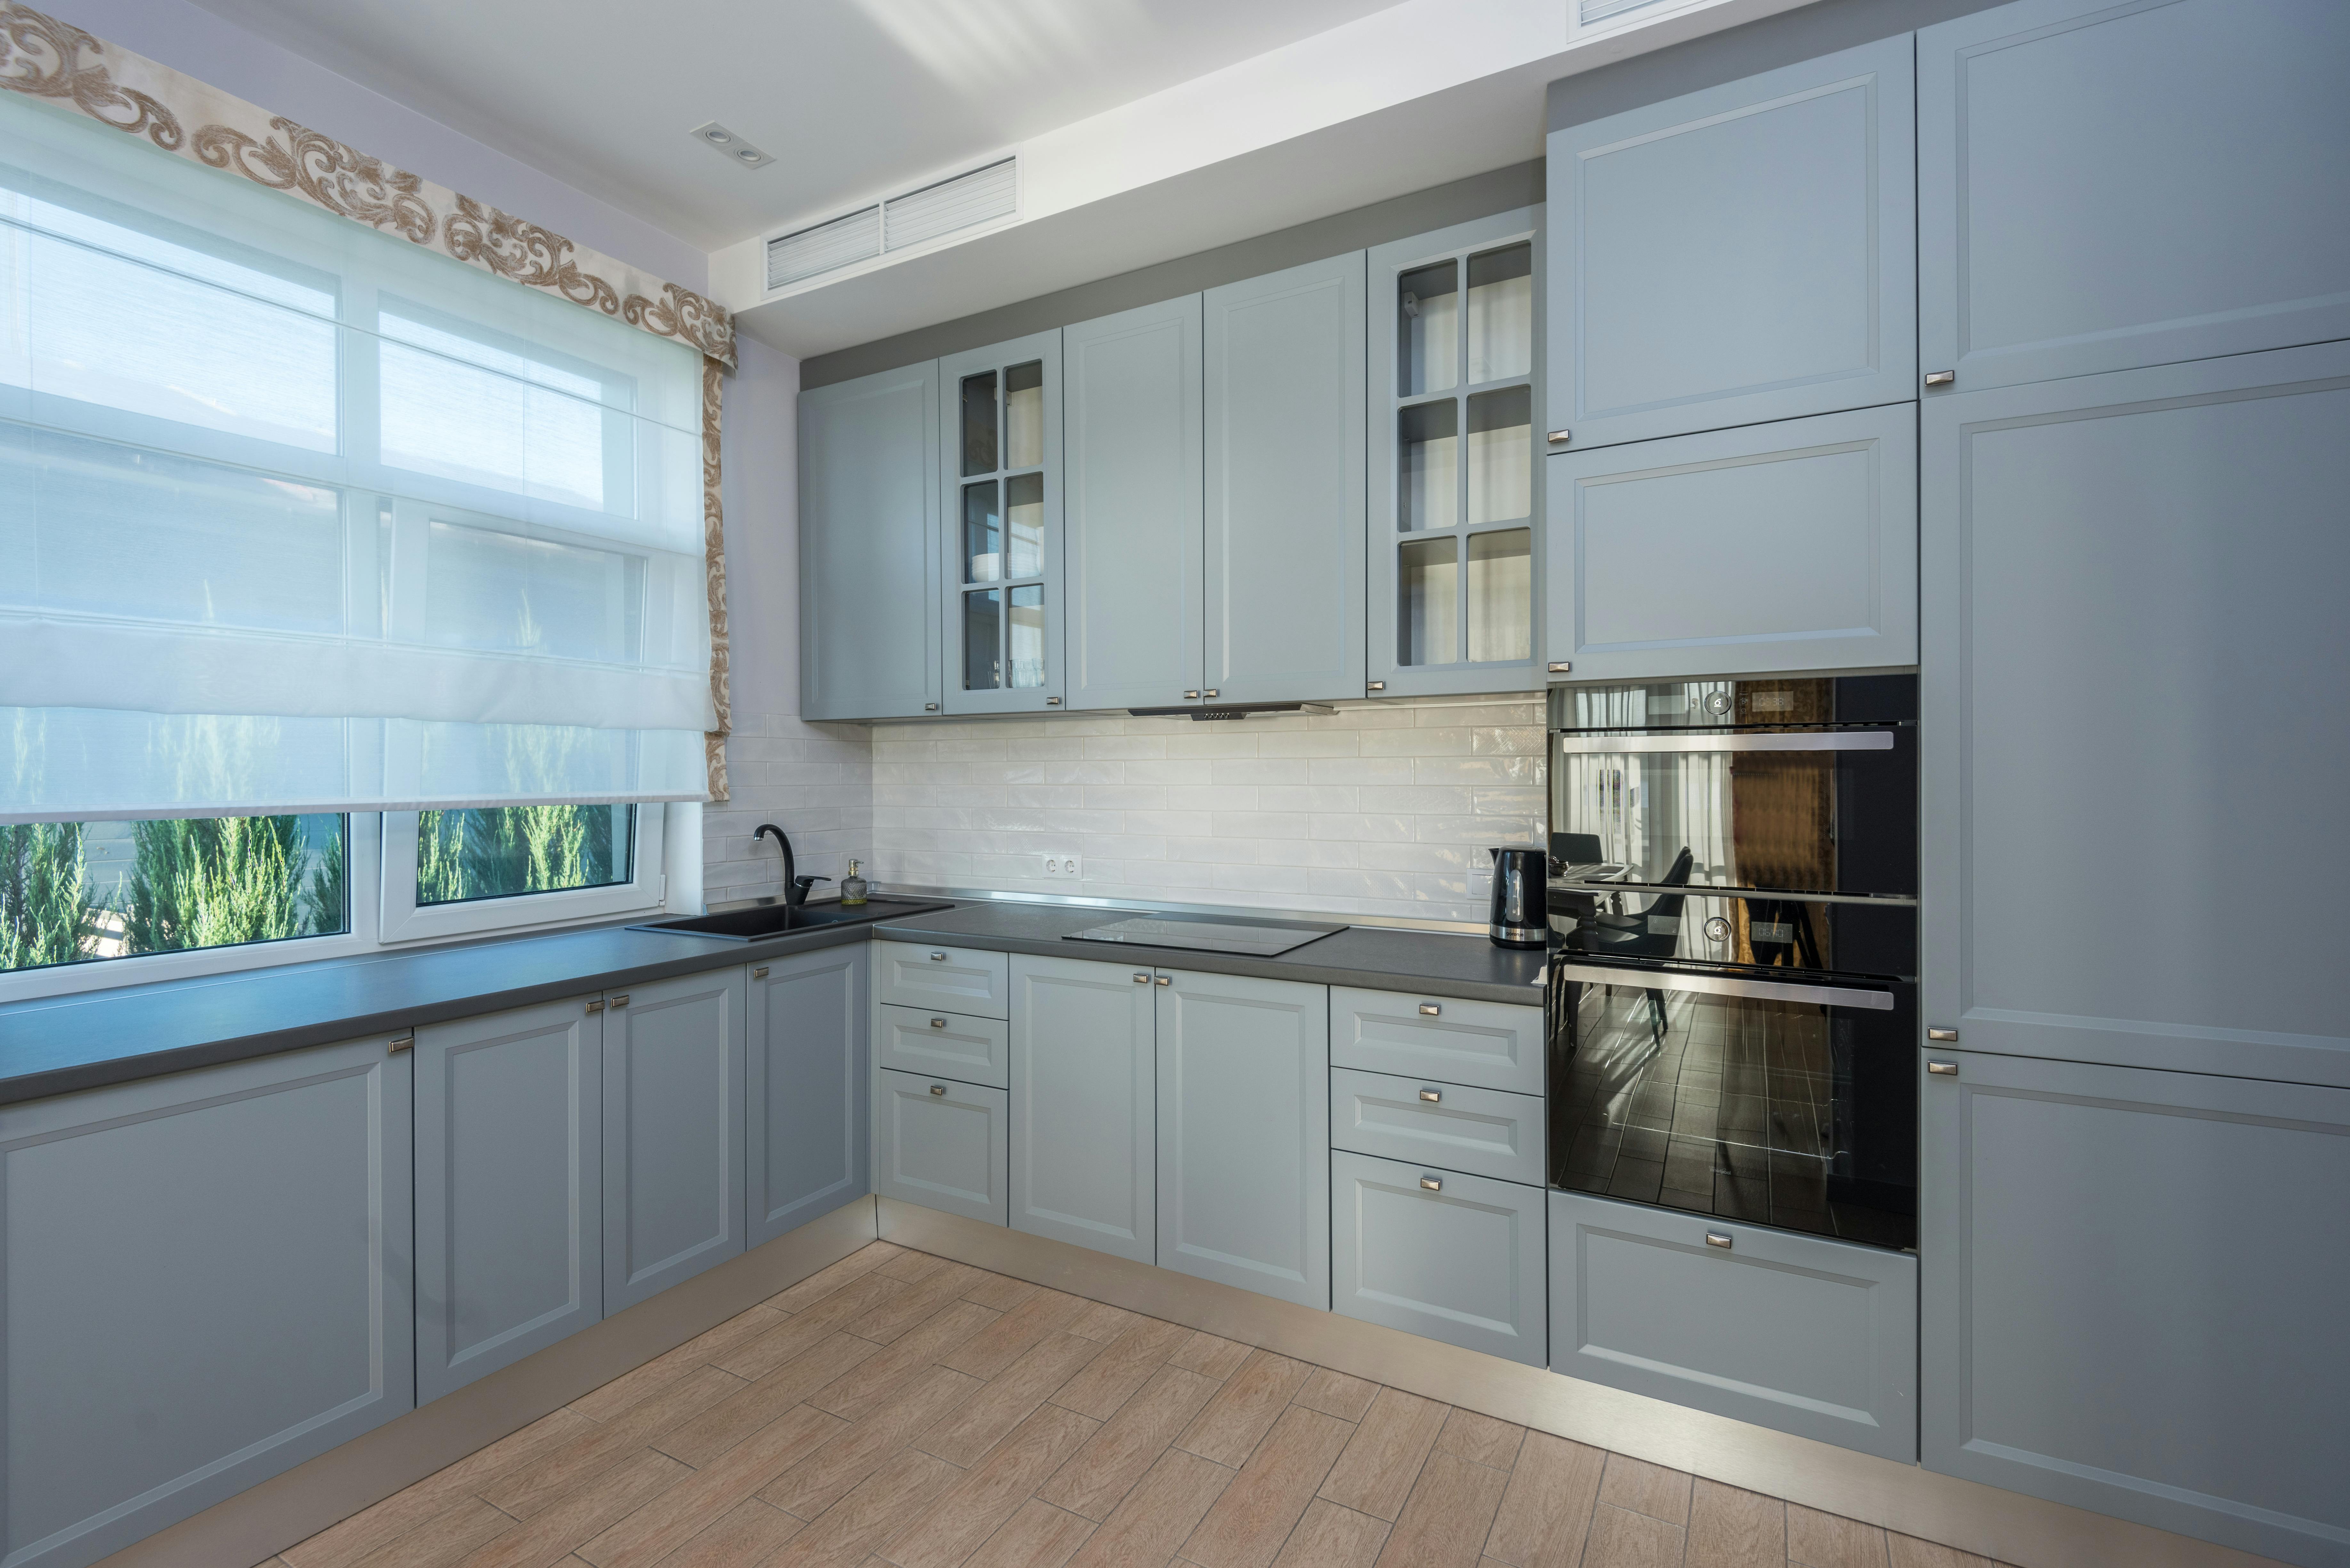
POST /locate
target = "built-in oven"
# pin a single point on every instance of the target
(1731, 995)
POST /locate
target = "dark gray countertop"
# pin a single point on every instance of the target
(59, 1044)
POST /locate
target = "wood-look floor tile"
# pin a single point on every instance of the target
(751, 1533)
(754, 1358)
(1819, 1540)
(1480, 1439)
(1001, 1292)
(526, 1489)
(1447, 1516)
(976, 1506)
(1253, 1518)
(753, 1406)
(854, 1452)
(1123, 1450)
(1643, 1488)
(1103, 1321)
(1038, 1536)
(680, 1513)
(1329, 1536)
(910, 1266)
(1243, 1409)
(875, 1378)
(459, 1528)
(1158, 1515)
(1335, 1394)
(871, 1512)
(866, 1259)
(1621, 1538)
(341, 1545)
(1209, 1356)
(1124, 1365)
(1390, 1443)
(1730, 1528)
(1011, 1336)
(914, 1305)
(559, 1529)
(1546, 1509)
(710, 1347)
(1909, 1551)
(1010, 1398)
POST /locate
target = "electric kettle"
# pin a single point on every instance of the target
(1520, 907)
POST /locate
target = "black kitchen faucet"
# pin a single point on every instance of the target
(795, 887)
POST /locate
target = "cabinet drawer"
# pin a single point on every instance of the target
(942, 1144)
(1460, 1260)
(944, 980)
(1806, 1334)
(1482, 1132)
(945, 1045)
(1489, 1044)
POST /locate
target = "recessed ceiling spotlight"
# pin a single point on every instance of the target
(736, 150)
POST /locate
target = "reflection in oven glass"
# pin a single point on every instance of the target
(1724, 1105)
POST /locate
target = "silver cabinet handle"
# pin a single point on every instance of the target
(938, 1023)
(1430, 1183)
(1943, 1069)
(1718, 1238)
(1947, 1036)
(401, 1043)
(938, 1088)
(1722, 985)
(595, 1007)
(1164, 980)
(1562, 668)
(760, 973)
(1210, 691)
(937, 957)
(1142, 980)
(1193, 695)
(1375, 685)
(1429, 1010)
(1718, 741)
(1432, 1097)
(1940, 378)
(929, 707)
(622, 999)
(1052, 701)
(1560, 438)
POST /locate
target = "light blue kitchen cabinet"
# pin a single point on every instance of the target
(806, 1079)
(1134, 461)
(869, 546)
(1084, 1112)
(1286, 382)
(968, 980)
(1742, 254)
(944, 1045)
(1000, 573)
(941, 1144)
(1437, 1253)
(1491, 1044)
(1448, 1126)
(1790, 547)
(2102, 187)
(672, 1132)
(2133, 1288)
(2132, 715)
(1455, 438)
(1805, 1333)
(1244, 1133)
(208, 1282)
(509, 1187)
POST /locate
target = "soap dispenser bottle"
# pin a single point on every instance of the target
(853, 887)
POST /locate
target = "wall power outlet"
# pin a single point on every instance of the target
(1063, 865)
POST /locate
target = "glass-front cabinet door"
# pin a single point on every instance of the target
(1002, 482)
(1456, 436)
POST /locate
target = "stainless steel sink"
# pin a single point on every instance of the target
(761, 921)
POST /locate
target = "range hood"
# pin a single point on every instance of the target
(1229, 710)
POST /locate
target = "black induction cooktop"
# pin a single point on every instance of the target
(1209, 934)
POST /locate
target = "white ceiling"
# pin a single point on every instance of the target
(853, 98)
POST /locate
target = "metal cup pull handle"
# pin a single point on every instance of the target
(938, 1023)
(938, 1088)
(1429, 1010)
(1432, 1097)
(1431, 1183)
(937, 957)
(1718, 1238)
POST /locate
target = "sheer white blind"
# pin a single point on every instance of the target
(296, 515)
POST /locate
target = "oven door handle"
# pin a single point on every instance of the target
(1726, 985)
(1768, 741)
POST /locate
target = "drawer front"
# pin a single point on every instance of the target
(944, 980)
(1459, 1261)
(944, 1045)
(942, 1144)
(1488, 1044)
(1482, 1132)
(1806, 1334)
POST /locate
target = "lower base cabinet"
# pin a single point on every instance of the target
(208, 1282)
(672, 1132)
(805, 1088)
(1084, 1104)
(2165, 1343)
(941, 1144)
(1810, 1335)
(1433, 1252)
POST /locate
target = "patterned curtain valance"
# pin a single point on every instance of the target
(44, 57)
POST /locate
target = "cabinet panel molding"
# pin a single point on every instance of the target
(942, 1144)
(672, 1132)
(1084, 1105)
(1437, 1253)
(807, 1082)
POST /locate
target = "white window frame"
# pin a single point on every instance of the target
(404, 921)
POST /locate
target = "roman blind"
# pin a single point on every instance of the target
(297, 515)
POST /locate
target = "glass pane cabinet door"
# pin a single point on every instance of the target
(1456, 493)
(1005, 591)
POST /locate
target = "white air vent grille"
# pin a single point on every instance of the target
(951, 204)
(1591, 11)
(791, 257)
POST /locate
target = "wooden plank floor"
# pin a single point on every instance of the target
(900, 1409)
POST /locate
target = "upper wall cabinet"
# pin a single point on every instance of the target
(1001, 407)
(1286, 384)
(1136, 541)
(869, 546)
(1742, 254)
(2103, 187)
(1455, 404)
